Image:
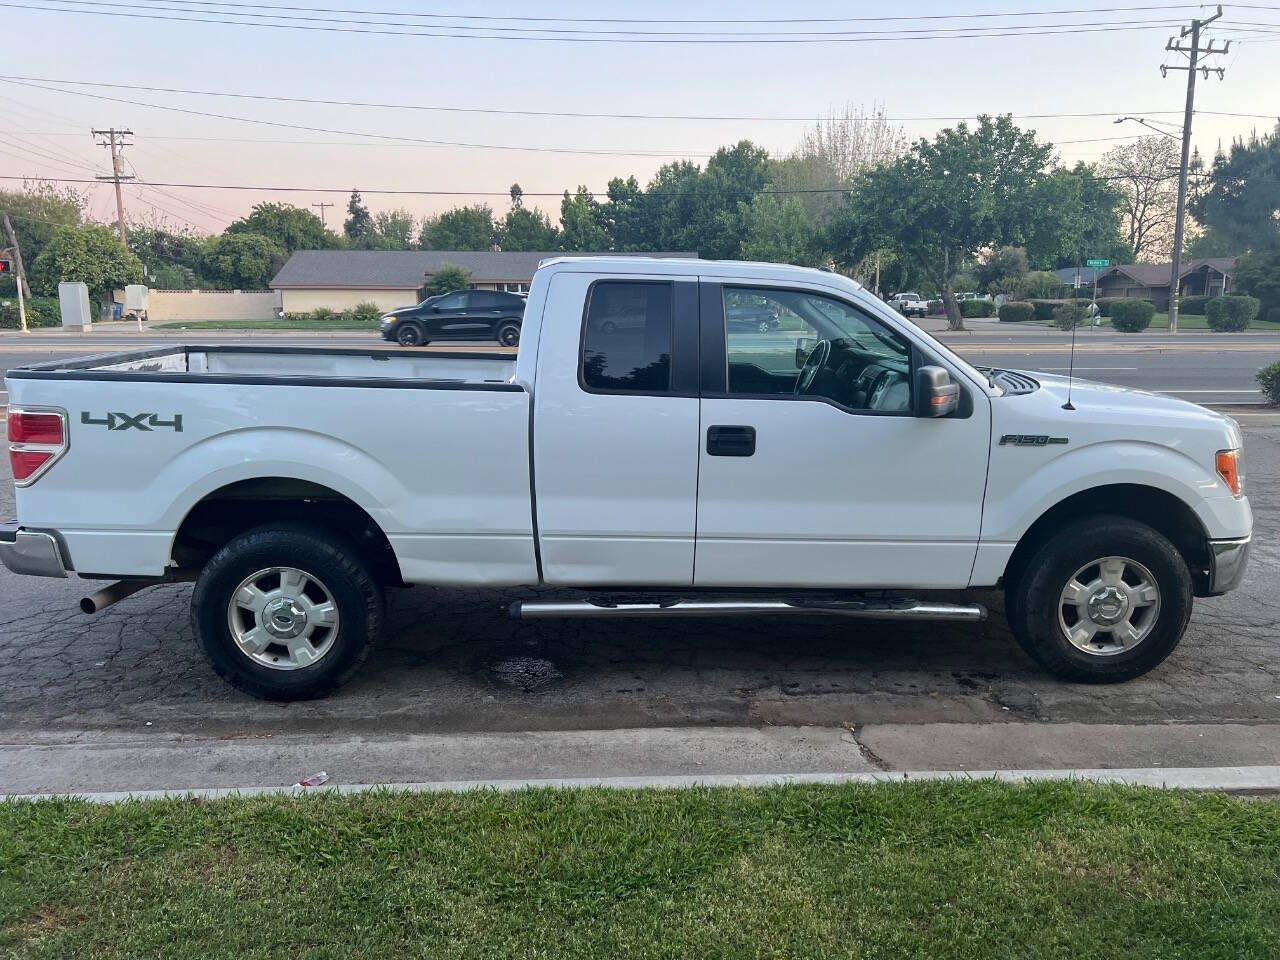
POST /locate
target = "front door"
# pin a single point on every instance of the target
(616, 444)
(814, 472)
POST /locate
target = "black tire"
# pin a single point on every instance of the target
(507, 333)
(410, 335)
(1033, 598)
(335, 562)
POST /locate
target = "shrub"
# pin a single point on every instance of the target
(41, 312)
(1269, 380)
(1273, 315)
(323, 315)
(1043, 309)
(448, 278)
(1193, 306)
(1104, 305)
(977, 308)
(1068, 316)
(1016, 311)
(1132, 316)
(1232, 313)
(366, 312)
(935, 308)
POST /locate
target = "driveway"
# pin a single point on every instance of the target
(454, 661)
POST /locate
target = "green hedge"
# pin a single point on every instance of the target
(1193, 306)
(1269, 380)
(1132, 316)
(41, 312)
(366, 312)
(1068, 316)
(1273, 315)
(1232, 313)
(1016, 311)
(977, 308)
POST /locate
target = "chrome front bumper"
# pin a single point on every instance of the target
(1227, 562)
(30, 553)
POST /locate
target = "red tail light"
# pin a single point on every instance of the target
(36, 439)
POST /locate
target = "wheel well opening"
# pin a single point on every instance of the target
(1158, 509)
(231, 510)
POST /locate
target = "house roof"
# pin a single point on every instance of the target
(407, 269)
(1157, 274)
(1067, 275)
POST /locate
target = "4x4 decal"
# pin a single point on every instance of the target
(137, 421)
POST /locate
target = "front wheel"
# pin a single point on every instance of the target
(287, 612)
(508, 333)
(1102, 600)
(410, 335)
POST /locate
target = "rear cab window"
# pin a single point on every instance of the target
(627, 337)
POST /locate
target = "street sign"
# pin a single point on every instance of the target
(1097, 263)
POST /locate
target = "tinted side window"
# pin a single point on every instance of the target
(626, 343)
(483, 300)
(454, 301)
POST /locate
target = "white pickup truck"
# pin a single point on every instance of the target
(910, 304)
(844, 464)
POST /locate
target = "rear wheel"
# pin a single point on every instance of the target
(507, 333)
(410, 335)
(1102, 600)
(287, 612)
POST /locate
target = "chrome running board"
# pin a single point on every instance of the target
(905, 609)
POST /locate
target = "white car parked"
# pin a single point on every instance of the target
(845, 465)
(909, 304)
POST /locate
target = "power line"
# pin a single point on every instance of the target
(502, 32)
(352, 133)
(743, 118)
(734, 20)
(1036, 30)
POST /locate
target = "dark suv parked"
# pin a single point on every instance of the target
(461, 315)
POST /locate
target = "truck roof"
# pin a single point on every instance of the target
(673, 266)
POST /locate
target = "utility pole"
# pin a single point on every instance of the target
(115, 141)
(322, 207)
(23, 287)
(1193, 53)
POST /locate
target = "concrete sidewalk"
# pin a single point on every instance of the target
(94, 762)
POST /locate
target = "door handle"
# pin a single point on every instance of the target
(731, 441)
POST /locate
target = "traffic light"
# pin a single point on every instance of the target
(6, 266)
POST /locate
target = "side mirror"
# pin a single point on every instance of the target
(936, 394)
(435, 309)
(804, 347)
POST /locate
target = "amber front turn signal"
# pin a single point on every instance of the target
(1228, 464)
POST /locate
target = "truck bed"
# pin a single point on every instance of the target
(290, 364)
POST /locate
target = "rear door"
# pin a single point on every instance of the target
(814, 472)
(616, 438)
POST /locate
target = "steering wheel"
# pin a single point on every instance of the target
(816, 360)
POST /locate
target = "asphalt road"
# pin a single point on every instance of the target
(453, 661)
(1202, 368)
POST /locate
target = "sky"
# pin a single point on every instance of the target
(44, 128)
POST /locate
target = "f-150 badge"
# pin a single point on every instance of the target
(132, 421)
(1030, 439)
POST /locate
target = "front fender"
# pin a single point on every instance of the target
(1018, 493)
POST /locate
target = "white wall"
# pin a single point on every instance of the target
(304, 301)
(165, 306)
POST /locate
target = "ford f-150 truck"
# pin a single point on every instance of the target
(845, 465)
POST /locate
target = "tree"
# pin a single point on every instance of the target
(1258, 274)
(1145, 173)
(92, 255)
(359, 224)
(242, 261)
(462, 228)
(290, 227)
(1079, 219)
(1000, 270)
(526, 229)
(779, 230)
(580, 223)
(36, 211)
(945, 200)
(394, 229)
(170, 256)
(1241, 204)
(448, 278)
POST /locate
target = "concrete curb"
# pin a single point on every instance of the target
(1251, 779)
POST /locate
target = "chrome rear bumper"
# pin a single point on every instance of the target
(1227, 562)
(30, 553)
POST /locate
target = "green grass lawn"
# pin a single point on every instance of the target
(1191, 321)
(285, 323)
(934, 870)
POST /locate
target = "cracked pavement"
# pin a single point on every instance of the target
(450, 662)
